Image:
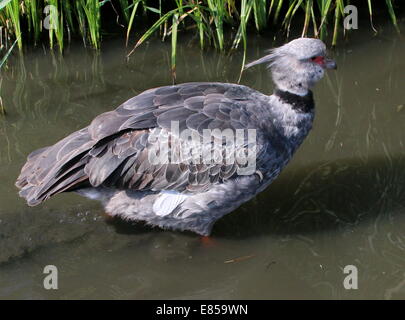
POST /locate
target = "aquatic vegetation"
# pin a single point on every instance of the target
(11, 11)
(210, 17)
(4, 58)
(2, 62)
(222, 24)
(55, 17)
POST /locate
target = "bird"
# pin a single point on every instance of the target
(138, 163)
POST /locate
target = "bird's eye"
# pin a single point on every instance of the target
(318, 59)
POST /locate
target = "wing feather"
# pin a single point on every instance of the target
(114, 149)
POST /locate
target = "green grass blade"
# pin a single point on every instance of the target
(260, 14)
(131, 19)
(5, 57)
(370, 11)
(34, 19)
(199, 19)
(56, 21)
(246, 9)
(92, 11)
(338, 13)
(308, 8)
(278, 9)
(324, 7)
(153, 29)
(294, 6)
(12, 9)
(175, 24)
(392, 14)
(217, 9)
(271, 7)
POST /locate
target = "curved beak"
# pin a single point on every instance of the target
(330, 64)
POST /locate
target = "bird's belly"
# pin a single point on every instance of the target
(196, 212)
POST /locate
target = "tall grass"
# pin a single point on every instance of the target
(91, 10)
(211, 16)
(12, 10)
(24, 19)
(34, 19)
(54, 17)
(56, 23)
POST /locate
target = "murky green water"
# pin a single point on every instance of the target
(340, 202)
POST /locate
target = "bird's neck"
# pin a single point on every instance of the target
(291, 114)
(295, 84)
(300, 103)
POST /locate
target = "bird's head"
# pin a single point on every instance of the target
(297, 65)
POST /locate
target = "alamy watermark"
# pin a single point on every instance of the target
(51, 280)
(208, 147)
(51, 17)
(351, 20)
(351, 281)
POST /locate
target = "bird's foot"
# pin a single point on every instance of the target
(207, 242)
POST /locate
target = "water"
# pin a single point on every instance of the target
(340, 202)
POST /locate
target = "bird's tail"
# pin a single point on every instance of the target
(28, 169)
(54, 169)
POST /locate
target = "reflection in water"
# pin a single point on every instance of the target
(340, 201)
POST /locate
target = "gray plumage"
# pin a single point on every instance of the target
(110, 159)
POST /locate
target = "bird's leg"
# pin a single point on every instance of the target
(107, 217)
(207, 242)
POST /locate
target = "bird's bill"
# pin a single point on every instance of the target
(330, 64)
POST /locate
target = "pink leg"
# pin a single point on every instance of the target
(208, 242)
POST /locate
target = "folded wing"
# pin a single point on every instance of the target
(115, 149)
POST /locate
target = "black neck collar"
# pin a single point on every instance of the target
(298, 103)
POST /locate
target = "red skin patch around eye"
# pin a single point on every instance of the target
(319, 60)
